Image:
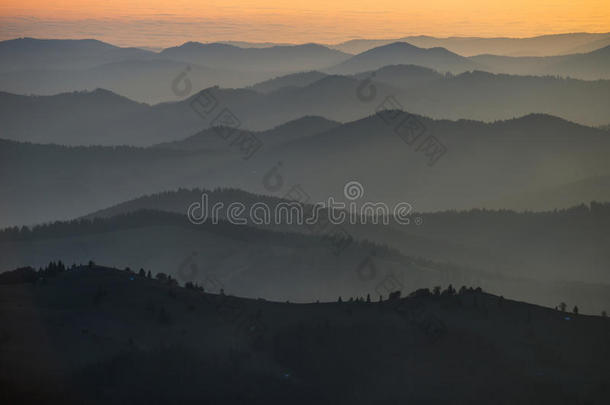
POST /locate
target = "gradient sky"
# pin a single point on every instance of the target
(166, 23)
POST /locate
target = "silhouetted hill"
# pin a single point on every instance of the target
(544, 45)
(209, 139)
(402, 53)
(47, 67)
(291, 80)
(246, 261)
(147, 81)
(545, 245)
(593, 65)
(489, 160)
(485, 96)
(87, 117)
(273, 59)
(590, 66)
(600, 43)
(484, 158)
(409, 145)
(86, 176)
(99, 117)
(249, 44)
(170, 121)
(301, 127)
(101, 335)
(178, 201)
(31, 53)
(590, 189)
(473, 95)
(402, 76)
(128, 172)
(526, 255)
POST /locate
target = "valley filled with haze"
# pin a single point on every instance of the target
(260, 219)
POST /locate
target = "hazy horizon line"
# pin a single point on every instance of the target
(271, 43)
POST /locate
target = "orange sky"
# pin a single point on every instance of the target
(164, 22)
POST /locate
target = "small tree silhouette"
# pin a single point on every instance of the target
(575, 310)
(368, 298)
(437, 290)
(604, 314)
(394, 296)
(340, 299)
(562, 307)
(142, 273)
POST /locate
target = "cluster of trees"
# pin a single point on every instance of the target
(563, 307)
(189, 285)
(147, 218)
(59, 229)
(30, 275)
(163, 278)
(141, 273)
(580, 221)
(439, 292)
(166, 278)
(422, 292)
(359, 299)
(506, 215)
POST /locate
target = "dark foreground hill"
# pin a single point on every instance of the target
(100, 335)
